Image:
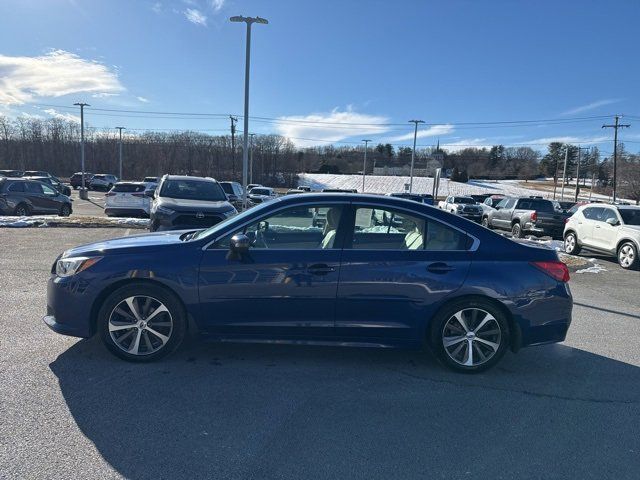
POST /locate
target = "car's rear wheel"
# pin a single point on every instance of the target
(21, 210)
(470, 336)
(628, 256)
(65, 210)
(516, 230)
(142, 323)
(571, 244)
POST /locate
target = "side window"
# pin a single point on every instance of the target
(16, 187)
(33, 187)
(383, 229)
(48, 191)
(296, 228)
(509, 202)
(502, 203)
(592, 213)
(607, 213)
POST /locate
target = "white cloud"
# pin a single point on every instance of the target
(568, 139)
(55, 74)
(62, 116)
(142, 99)
(196, 16)
(591, 106)
(466, 143)
(217, 4)
(157, 7)
(104, 95)
(432, 131)
(324, 128)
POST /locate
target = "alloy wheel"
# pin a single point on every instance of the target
(140, 325)
(570, 244)
(626, 256)
(21, 211)
(471, 337)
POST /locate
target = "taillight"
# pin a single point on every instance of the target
(556, 270)
(534, 216)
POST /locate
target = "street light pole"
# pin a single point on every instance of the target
(82, 105)
(564, 171)
(413, 152)
(120, 151)
(245, 151)
(364, 166)
(251, 158)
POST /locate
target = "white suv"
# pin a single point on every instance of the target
(611, 229)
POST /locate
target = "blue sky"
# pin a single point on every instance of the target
(332, 71)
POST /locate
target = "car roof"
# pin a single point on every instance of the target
(626, 207)
(189, 177)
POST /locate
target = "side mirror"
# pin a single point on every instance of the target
(612, 221)
(239, 244)
(498, 207)
(149, 193)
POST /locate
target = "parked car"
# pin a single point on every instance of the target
(304, 188)
(234, 192)
(36, 173)
(182, 202)
(151, 182)
(252, 185)
(526, 216)
(261, 194)
(293, 191)
(53, 182)
(608, 229)
(490, 202)
(339, 190)
(416, 197)
(480, 197)
(565, 206)
(464, 206)
(11, 173)
(76, 180)
(269, 275)
(127, 199)
(22, 197)
(103, 181)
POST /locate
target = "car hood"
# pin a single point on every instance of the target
(180, 205)
(148, 241)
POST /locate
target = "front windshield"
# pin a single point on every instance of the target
(192, 190)
(260, 191)
(464, 200)
(630, 216)
(238, 218)
(228, 189)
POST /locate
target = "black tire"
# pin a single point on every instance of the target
(516, 230)
(486, 224)
(571, 246)
(628, 256)
(22, 210)
(65, 210)
(176, 316)
(439, 326)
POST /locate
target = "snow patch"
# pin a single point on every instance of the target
(597, 268)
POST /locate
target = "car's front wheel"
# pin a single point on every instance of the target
(628, 256)
(470, 336)
(142, 323)
(571, 244)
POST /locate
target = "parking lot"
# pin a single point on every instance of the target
(71, 410)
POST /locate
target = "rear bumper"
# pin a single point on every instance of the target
(555, 232)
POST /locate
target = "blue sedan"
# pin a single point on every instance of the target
(330, 269)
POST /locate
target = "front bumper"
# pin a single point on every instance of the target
(181, 220)
(126, 211)
(69, 302)
(62, 329)
(475, 217)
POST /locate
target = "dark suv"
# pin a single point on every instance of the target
(23, 197)
(76, 179)
(182, 202)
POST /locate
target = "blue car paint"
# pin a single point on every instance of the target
(382, 298)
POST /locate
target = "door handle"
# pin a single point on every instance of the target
(320, 269)
(597, 226)
(439, 267)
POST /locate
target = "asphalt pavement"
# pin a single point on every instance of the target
(93, 206)
(68, 409)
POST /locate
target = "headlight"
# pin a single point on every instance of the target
(164, 210)
(230, 213)
(459, 207)
(66, 267)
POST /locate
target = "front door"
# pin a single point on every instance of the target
(605, 234)
(287, 283)
(395, 273)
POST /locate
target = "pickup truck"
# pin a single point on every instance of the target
(464, 206)
(529, 215)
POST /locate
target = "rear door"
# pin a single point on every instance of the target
(394, 274)
(502, 216)
(35, 193)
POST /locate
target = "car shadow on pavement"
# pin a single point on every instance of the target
(280, 411)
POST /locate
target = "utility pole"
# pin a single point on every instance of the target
(233, 144)
(245, 152)
(564, 171)
(83, 191)
(120, 151)
(364, 166)
(578, 172)
(413, 152)
(251, 158)
(615, 127)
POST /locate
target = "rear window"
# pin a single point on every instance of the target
(128, 188)
(260, 191)
(537, 205)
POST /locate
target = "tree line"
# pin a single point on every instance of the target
(30, 143)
